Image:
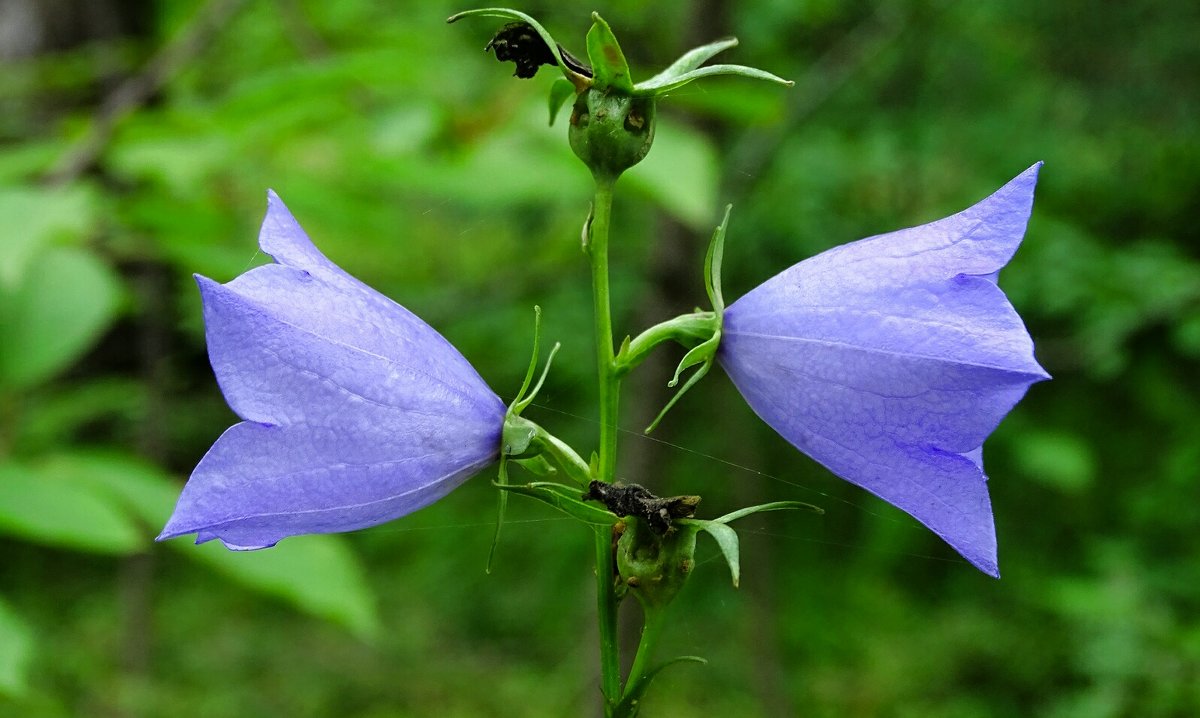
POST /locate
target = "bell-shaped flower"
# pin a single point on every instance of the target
(355, 411)
(890, 360)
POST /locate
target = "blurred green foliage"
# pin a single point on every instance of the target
(418, 165)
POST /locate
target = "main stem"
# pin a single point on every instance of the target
(606, 598)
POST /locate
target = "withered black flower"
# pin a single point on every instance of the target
(519, 43)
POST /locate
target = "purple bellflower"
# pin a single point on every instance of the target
(890, 360)
(355, 411)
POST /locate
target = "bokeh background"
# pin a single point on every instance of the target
(137, 139)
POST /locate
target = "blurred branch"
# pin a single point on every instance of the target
(136, 90)
(753, 155)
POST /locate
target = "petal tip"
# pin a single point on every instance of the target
(170, 531)
(282, 237)
(204, 283)
(277, 210)
(1030, 175)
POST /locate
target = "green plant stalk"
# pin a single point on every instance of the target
(575, 467)
(609, 385)
(655, 619)
(687, 329)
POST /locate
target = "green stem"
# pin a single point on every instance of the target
(606, 597)
(686, 329)
(574, 466)
(609, 381)
(651, 630)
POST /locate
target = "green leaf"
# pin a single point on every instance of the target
(659, 86)
(772, 506)
(34, 218)
(727, 541)
(29, 157)
(565, 499)
(65, 299)
(561, 91)
(690, 61)
(633, 696)
(40, 506)
(62, 409)
(16, 649)
(318, 574)
(181, 161)
(608, 62)
(139, 487)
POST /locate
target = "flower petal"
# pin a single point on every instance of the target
(287, 358)
(259, 483)
(891, 359)
(356, 411)
(306, 289)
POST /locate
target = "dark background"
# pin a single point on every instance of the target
(137, 140)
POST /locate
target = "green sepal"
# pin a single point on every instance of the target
(522, 401)
(532, 368)
(608, 62)
(633, 694)
(689, 61)
(517, 433)
(704, 355)
(772, 506)
(561, 91)
(712, 265)
(727, 541)
(565, 499)
(501, 510)
(580, 82)
(659, 85)
(727, 538)
(696, 355)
